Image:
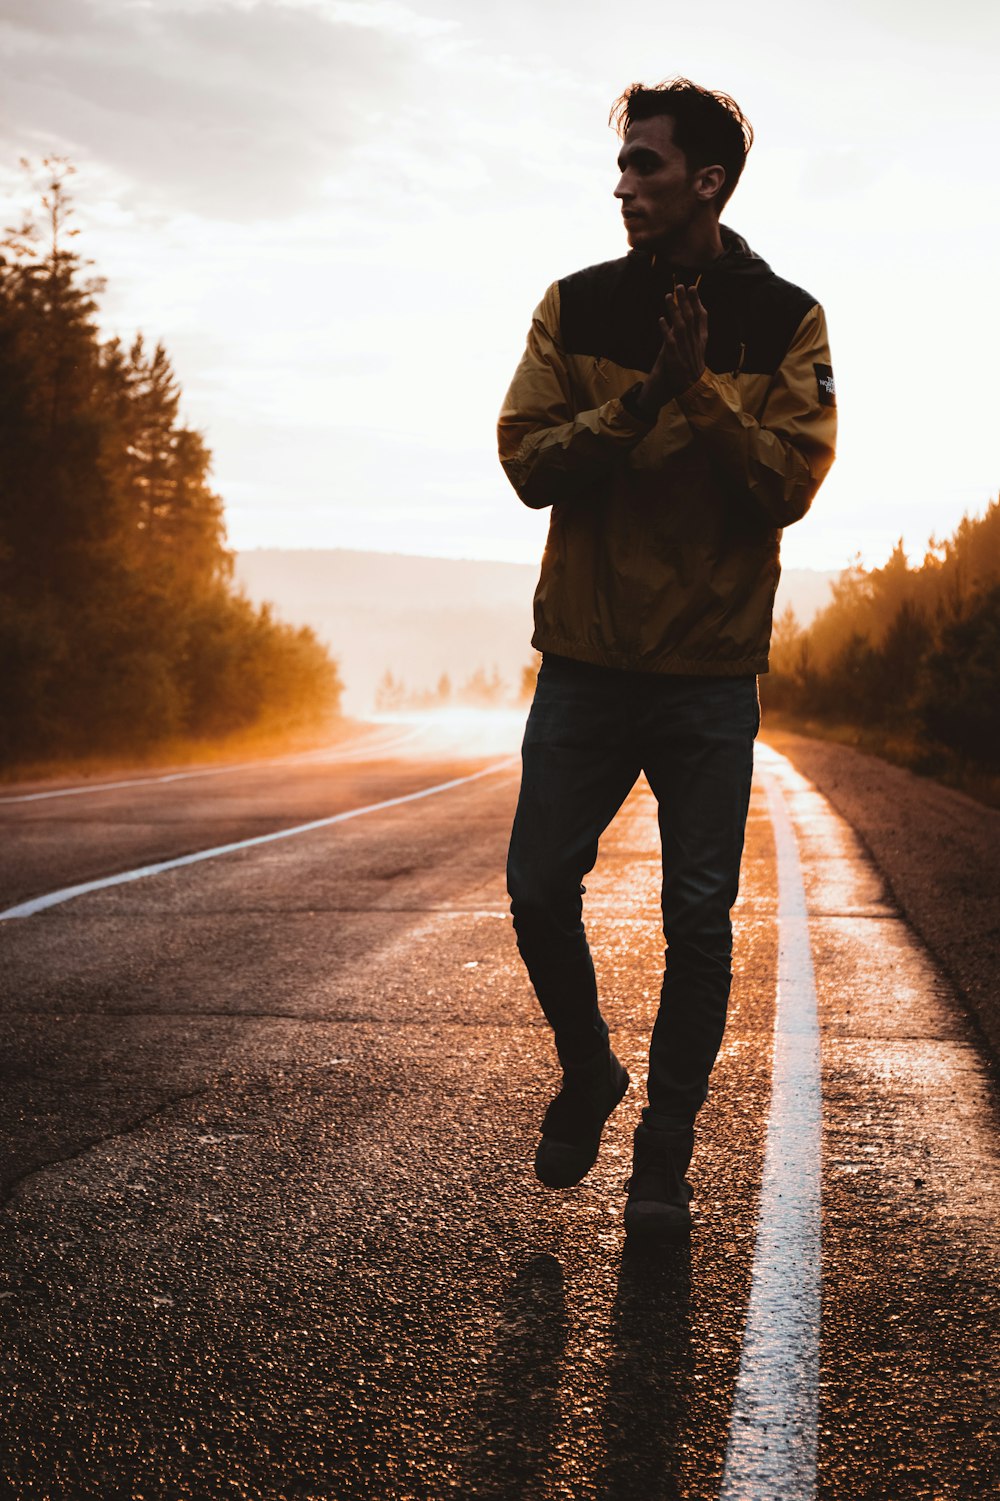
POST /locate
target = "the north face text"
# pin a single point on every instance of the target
(827, 389)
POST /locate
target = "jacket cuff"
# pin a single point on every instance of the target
(703, 402)
(627, 416)
(630, 405)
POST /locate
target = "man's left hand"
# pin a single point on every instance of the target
(681, 359)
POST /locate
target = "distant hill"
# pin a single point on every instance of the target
(420, 617)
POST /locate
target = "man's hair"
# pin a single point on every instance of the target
(709, 127)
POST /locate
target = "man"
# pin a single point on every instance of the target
(675, 408)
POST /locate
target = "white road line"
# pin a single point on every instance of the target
(772, 1439)
(54, 898)
(353, 752)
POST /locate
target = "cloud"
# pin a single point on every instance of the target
(232, 111)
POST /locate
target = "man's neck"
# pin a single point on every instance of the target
(695, 245)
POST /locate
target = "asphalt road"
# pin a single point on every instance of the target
(271, 1228)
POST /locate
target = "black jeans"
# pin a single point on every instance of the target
(590, 733)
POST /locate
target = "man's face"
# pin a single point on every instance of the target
(658, 193)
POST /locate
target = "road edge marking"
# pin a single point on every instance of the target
(772, 1447)
(55, 898)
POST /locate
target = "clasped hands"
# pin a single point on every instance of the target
(684, 327)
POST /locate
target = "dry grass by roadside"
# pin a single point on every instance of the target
(168, 755)
(897, 747)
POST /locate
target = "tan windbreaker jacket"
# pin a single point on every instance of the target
(662, 552)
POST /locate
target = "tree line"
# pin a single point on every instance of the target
(907, 651)
(120, 626)
(480, 690)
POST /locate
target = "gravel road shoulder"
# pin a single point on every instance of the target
(938, 851)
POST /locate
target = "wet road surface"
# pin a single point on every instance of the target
(271, 1228)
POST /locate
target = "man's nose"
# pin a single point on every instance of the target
(623, 190)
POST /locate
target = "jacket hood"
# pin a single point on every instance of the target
(736, 260)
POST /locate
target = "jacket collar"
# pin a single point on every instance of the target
(736, 258)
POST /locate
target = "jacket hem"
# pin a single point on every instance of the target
(670, 663)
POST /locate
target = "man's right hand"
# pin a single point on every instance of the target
(681, 359)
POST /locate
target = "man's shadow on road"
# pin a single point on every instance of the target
(647, 1391)
(517, 1404)
(649, 1375)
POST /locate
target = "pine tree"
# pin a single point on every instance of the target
(118, 622)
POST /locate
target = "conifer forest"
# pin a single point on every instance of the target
(904, 653)
(120, 626)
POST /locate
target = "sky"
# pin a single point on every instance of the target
(338, 216)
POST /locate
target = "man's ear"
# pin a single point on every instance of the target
(708, 181)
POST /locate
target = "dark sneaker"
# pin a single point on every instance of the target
(571, 1130)
(659, 1195)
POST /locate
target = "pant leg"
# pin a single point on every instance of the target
(699, 763)
(578, 766)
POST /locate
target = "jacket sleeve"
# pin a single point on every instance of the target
(782, 459)
(549, 451)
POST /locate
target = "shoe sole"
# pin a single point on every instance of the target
(653, 1217)
(558, 1164)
